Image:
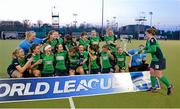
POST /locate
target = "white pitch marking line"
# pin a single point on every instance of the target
(71, 102)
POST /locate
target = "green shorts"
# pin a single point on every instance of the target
(122, 67)
(47, 73)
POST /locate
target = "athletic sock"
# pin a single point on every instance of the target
(165, 81)
(153, 81)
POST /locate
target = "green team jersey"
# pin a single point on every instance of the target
(53, 43)
(121, 59)
(84, 56)
(109, 41)
(93, 63)
(61, 60)
(35, 59)
(105, 60)
(22, 62)
(85, 43)
(152, 46)
(60, 41)
(48, 67)
(95, 40)
(74, 60)
(70, 44)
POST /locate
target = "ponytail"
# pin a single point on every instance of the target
(151, 31)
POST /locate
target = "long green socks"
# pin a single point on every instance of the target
(165, 81)
(153, 81)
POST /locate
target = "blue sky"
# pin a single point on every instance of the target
(166, 13)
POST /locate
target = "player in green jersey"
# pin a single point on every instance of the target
(74, 62)
(120, 58)
(57, 36)
(105, 57)
(84, 40)
(51, 39)
(68, 42)
(94, 64)
(35, 54)
(83, 58)
(19, 68)
(47, 60)
(110, 40)
(158, 62)
(54, 39)
(60, 61)
(94, 39)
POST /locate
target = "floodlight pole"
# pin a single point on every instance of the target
(102, 25)
(151, 13)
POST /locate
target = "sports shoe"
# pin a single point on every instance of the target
(170, 90)
(153, 90)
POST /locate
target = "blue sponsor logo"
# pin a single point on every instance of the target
(140, 82)
(60, 87)
(63, 87)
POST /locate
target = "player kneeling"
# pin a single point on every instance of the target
(19, 66)
(120, 57)
(83, 58)
(74, 62)
(94, 64)
(138, 60)
(105, 57)
(36, 55)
